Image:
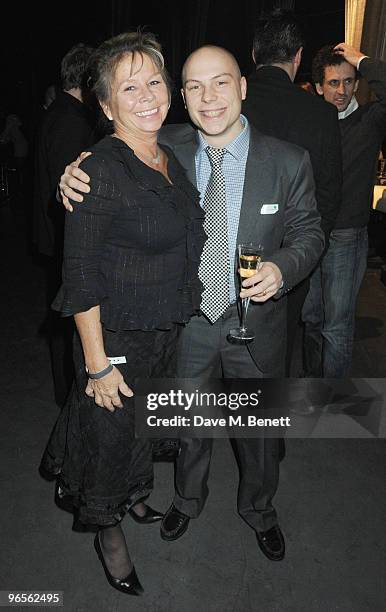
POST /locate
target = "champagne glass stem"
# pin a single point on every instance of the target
(244, 310)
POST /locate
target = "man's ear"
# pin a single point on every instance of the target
(356, 85)
(183, 96)
(319, 88)
(253, 56)
(298, 57)
(243, 87)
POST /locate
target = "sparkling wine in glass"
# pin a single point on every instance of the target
(249, 259)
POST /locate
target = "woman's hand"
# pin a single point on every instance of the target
(105, 390)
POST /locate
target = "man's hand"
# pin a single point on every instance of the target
(351, 55)
(74, 178)
(105, 391)
(264, 284)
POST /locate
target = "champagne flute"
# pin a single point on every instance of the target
(249, 259)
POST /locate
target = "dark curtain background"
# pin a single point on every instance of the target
(184, 26)
(35, 36)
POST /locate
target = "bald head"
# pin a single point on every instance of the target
(201, 55)
(213, 90)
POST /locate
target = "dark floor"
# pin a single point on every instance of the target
(330, 501)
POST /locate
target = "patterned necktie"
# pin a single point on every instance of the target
(214, 267)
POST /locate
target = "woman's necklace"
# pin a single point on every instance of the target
(154, 160)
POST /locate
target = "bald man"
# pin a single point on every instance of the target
(269, 195)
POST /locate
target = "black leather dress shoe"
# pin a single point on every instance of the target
(150, 516)
(129, 585)
(174, 524)
(271, 543)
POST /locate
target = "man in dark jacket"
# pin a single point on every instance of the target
(64, 131)
(329, 310)
(278, 108)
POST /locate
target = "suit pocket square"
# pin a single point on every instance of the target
(269, 209)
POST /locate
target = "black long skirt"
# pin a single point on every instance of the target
(102, 468)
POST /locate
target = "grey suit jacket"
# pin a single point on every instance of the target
(276, 173)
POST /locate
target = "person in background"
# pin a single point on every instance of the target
(13, 135)
(64, 129)
(329, 310)
(276, 106)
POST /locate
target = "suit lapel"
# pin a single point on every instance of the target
(185, 153)
(254, 177)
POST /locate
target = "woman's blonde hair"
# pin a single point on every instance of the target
(107, 57)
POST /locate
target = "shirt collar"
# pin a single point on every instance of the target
(238, 147)
(350, 109)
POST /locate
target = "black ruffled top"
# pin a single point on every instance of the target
(133, 246)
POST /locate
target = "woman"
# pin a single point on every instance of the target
(131, 258)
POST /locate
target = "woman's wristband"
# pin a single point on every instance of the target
(97, 375)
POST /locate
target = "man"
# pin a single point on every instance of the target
(279, 108)
(329, 310)
(65, 129)
(267, 189)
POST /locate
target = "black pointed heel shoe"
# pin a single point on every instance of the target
(150, 516)
(129, 585)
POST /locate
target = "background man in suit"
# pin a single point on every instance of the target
(64, 130)
(269, 193)
(329, 310)
(278, 108)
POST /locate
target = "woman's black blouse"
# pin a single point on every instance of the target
(133, 246)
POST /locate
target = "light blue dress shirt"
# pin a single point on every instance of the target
(235, 160)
